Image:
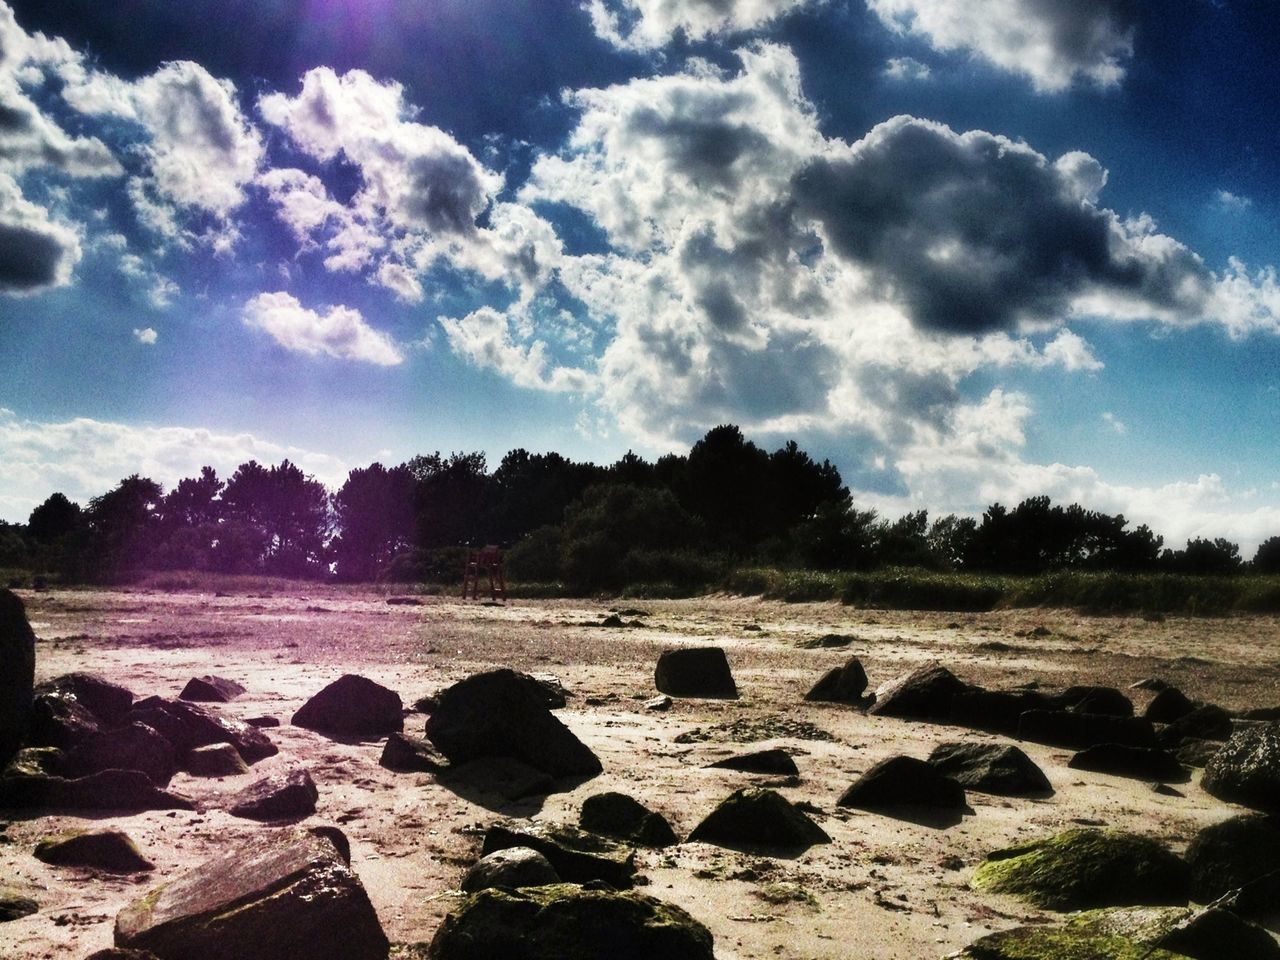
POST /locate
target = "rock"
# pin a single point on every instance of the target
(624, 818)
(1205, 722)
(1139, 763)
(17, 674)
(124, 790)
(1263, 714)
(828, 641)
(695, 672)
(108, 702)
(661, 703)
(37, 762)
(552, 689)
(577, 856)
(1257, 900)
(282, 895)
(754, 818)
(61, 721)
(209, 689)
(1150, 683)
(108, 850)
(1096, 701)
(1247, 769)
(1063, 728)
(352, 706)
(1194, 752)
(923, 694)
(402, 752)
(995, 710)
(840, 684)
(282, 796)
(120, 953)
(1232, 853)
(497, 714)
(502, 777)
(567, 922)
(262, 721)
(1168, 705)
(14, 906)
(511, 868)
(903, 782)
(760, 761)
(132, 747)
(189, 725)
(990, 768)
(404, 601)
(215, 760)
(1080, 869)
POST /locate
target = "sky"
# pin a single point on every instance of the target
(969, 252)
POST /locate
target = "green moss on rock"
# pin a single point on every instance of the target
(1058, 943)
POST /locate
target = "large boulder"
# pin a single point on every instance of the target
(991, 768)
(209, 689)
(1066, 728)
(17, 674)
(840, 684)
(1232, 853)
(109, 850)
(568, 922)
(215, 760)
(511, 868)
(60, 720)
(903, 782)
(128, 791)
(577, 856)
(280, 896)
(1168, 705)
(624, 818)
(282, 796)
(134, 746)
(1098, 701)
(925, 693)
(1247, 769)
(995, 710)
(758, 818)
(189, 725)
(1081, 869)
(353, 706)
(1139, 763)
(501, 714)
(107, 701)
(1206, 722)
(695, 672)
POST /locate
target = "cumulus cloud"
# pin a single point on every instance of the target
(1232, 202)
(487, 339)
(145, 335)
(341, 332)
(1054, 43)
(904, 69)
(37, 252)
(84, 458)
(650, 24)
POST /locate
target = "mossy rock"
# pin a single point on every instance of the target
(1081, 869)
(1059, 943)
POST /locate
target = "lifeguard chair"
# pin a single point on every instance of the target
(488, 561)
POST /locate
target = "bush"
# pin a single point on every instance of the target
(537, 557)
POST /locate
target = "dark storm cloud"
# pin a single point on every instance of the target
(973, 233)
(32, 259)
(701, 145)
(1085, 32)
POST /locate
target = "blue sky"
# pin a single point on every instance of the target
(970, 252)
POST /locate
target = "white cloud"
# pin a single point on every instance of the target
(1115, 423)
(1054, 43)
(650, 24)
(37, 253)
(1072, 352)
(486, 338)
(1232, 202)
(145, 335)
(906, 70)
(84, 458)
(341, 332)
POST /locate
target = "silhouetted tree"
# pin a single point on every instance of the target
(55, 518)
(950, 540)
(532, 490)
(1202, 556)
(289, 512)
(726, 481)
(122, 526)
(374, 512)
(453, 499)
(1267, 559)
(838, 537)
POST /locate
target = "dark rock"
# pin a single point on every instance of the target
(1097, 701)
(758, 818)
(577, 856)
(132, 747)
(1139, 763)
(37, 762)
(1231, 854)
(335, 836)
(923, 694)
(995, 710)
(552, 689)
(14, 906)
(828, 641)
(1168, 705)
(990, 768)
(1247, 769)
(108, 850)
(1194, 752)
(124, 790)
(120, 953)
(1081, 869)
(511, 868)
(407, 753)
(1150, 683)
(17, 674)
(107, 701)
(903, 782)
(1205, 722)
(261, 722)
(189, 725)
(1063, 728)
(760, 761)
(1214, 933)
(498, 714)
(352, 706)
(502, 777)
(1258, 899)
(1261, 714)
(282, 796)
(208, 689)
(566, 922)
(695, 672)
(624, 818)
(840, 684)
(61, 721)
(215, 760)
(660, 703)
(282, 895)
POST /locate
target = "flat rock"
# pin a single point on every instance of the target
(1230, 854)
(568, 922)
(281, 896)
(124, 790)
(995, 710)
(1064, 728)
(1247, 769)
(923, 694)
(352, 706)
(108, 850)
(215, 760)
(701, 672)
(511, 868)
(501, 714)
(903, 782)
(576, 855)
(625, 818)
(774, 761)
(209, 689)
(134, 746)
(1138, 763)
(840, 684)
(402, 752)
(190, 725)
(991, 768)
(282, 796)
(758, 818)
(17, 674)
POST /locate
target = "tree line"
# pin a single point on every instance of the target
(682, 519)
